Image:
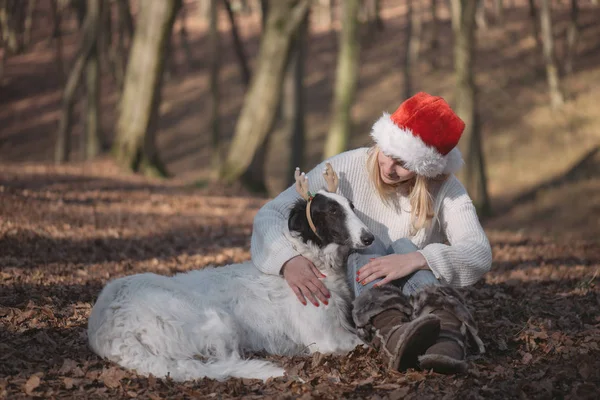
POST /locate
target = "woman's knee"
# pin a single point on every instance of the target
(418, 281)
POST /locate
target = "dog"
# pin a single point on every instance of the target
(202, 323)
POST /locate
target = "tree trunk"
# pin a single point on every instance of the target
(91, 143)
(499, 10)
(372, 15)
(260, 103)
(535, 25)
(90, 28)
(412, 46)
(135, 146)
(434, 43)
(480, 15)
(293, 100)
(254, 178)
(572, 37)
(28, 22)
(238, 46)
(346, 81)
(474, 175)
(183, 34)
(556, 96)
(215, 62)
(57, 37)
(125, 17)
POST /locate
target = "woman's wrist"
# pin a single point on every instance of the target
(420, 262)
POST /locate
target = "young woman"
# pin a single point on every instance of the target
(428, 239)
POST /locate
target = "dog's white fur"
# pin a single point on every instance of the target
(199, 324)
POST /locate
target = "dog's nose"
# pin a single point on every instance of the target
(367, 238)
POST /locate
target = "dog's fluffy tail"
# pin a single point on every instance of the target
(219, 369)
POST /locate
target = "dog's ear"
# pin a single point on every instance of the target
(297, 219)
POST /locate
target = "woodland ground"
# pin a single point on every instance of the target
(65, 231)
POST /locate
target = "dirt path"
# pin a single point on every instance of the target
(65, 231)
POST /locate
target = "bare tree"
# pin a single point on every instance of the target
(183, 34)
(260, 103)
(135, 146)
(91, 143)
(90, 27)
(480, 15)
(499, 10)
(56, 13)
(535, 24)
(238, 46)
(371, 9)
(293, 99)
(434, 42)
(215, 62)
(412, 46)
(572, 38)
(556, 96)
(28, 25)
(466, 102)
(345, 81)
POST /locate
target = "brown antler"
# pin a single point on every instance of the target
(331, 178)
(302, 184)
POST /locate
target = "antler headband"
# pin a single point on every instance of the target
(303, 189)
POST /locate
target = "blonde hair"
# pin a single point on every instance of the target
(421, 200)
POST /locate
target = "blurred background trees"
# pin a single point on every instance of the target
(293, 62)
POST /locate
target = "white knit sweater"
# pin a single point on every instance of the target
(462, 262)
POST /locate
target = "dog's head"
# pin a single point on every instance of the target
(334, 220)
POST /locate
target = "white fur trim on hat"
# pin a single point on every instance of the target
(417, 156)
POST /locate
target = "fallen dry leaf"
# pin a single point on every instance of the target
(32, 383)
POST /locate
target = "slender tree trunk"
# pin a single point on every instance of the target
(254, 178)
(556, 96)
(238, 46)
(434, 43)
(8, 21)
(481, 15)
(372, 15)
(535, 25)
(293, 100)
(125, 17)
(499, 10)
(183, 34)
(413, 45)
(57, 37)
(466, 103)
(92, 134)
(572, 38)
(90, 37)
(345, 82)
(135, 146)
(28, 22)
(215, 62)
(260, 103)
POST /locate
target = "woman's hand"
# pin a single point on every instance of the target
(391, 267)
(303, 278)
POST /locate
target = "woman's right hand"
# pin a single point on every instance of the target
(304, 279)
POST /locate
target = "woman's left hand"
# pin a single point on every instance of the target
(391, 267)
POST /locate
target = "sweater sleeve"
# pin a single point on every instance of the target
(269, 247)
(468, 256)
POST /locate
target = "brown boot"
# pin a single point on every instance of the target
(457, 334)
(383, 318)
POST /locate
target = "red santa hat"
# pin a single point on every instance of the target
(423, 133)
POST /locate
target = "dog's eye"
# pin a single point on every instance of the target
(351, 205)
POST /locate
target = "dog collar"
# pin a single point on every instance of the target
(308, 217)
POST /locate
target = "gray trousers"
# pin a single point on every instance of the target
(409, 285)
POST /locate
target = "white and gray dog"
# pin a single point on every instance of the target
(201, 323)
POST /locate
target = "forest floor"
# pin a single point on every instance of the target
(65, 231)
